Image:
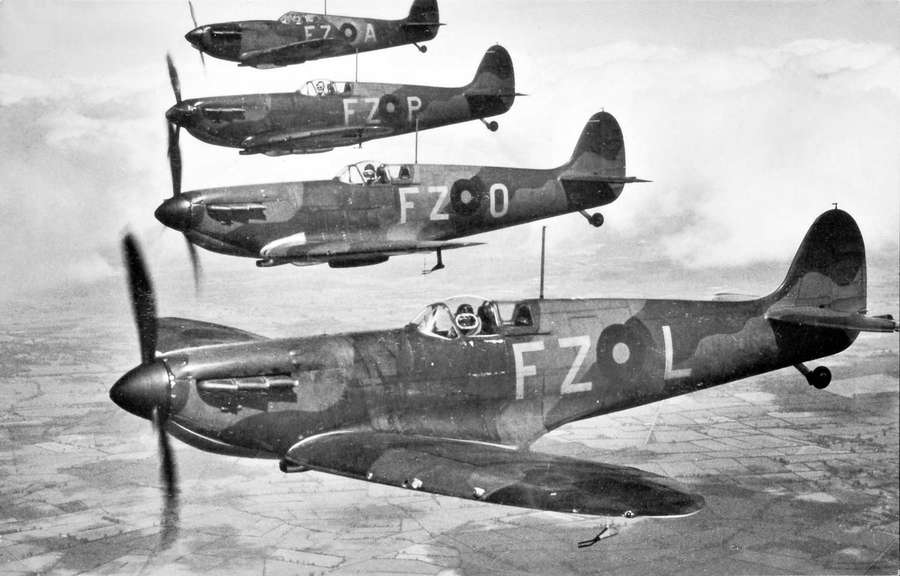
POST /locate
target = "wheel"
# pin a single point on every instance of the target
(820, 377)
(492, 125)
(597, 220)
(423, 49)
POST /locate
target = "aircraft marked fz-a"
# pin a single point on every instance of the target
(297, 37)
(373, 211)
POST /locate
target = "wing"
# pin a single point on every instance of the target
(295, 51)
(178, 333)
(492, 473)
(826, 318)
(295, 248)
(322, 139)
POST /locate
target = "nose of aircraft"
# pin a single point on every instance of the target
(175, 213)
(180, 113)
(196, 36)
(142, 389)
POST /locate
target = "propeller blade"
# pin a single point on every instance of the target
(169, 476)
(193, 16)
(173, 78)
(203, 60)
(195, 263)
(174, 154)
(143, 303)
(167, 469)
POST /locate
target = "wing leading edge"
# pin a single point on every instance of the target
(302, 50)
(295, 248)
(494, 474)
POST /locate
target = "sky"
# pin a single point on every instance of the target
(749, 118)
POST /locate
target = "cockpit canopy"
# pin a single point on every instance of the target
(324, 87)
(300, 18)
(369, 172)
(473, 316)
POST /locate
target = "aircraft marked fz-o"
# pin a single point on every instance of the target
(324, 114)
(373, 211)
(450, 403)
(297, 37)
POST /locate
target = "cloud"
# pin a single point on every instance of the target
(745, 146)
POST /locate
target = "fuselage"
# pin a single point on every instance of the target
(543, 364)
(345, 113)
(337, 36)
(416, 202)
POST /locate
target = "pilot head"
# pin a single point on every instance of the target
(369, 173)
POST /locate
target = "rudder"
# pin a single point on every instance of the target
(423, 21)
(600, 149)
(829, 269)
(423, 12)
(493, 90)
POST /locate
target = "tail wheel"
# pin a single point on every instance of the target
(596, 220)
(820, 378)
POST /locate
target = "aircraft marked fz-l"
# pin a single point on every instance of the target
(450, 403)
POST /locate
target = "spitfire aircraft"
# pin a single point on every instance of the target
(372, 211)
(300, 36)
(324, 114)
(450, 403)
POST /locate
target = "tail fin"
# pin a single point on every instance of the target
(424, 12)
(825, 286)
(829, 269)
(423, 21)
(493, 89)
(597, 165)
(600, 149)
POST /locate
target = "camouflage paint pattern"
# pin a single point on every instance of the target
(300, 36)
(344, 114)
(343, 222)
(544, 364)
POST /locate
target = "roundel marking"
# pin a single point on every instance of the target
(622, 350)
(390, 108)
(349, 32)
(466, 196)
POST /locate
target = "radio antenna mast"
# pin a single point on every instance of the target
(543, 250)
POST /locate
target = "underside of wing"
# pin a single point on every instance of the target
(178, 333)
(827, 318)
(494, 474)
(292, 248)
(322, 139)
(295, 51)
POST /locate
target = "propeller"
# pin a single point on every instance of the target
(173, 78)
(143, 305)
(174, 154)
(194, 19)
